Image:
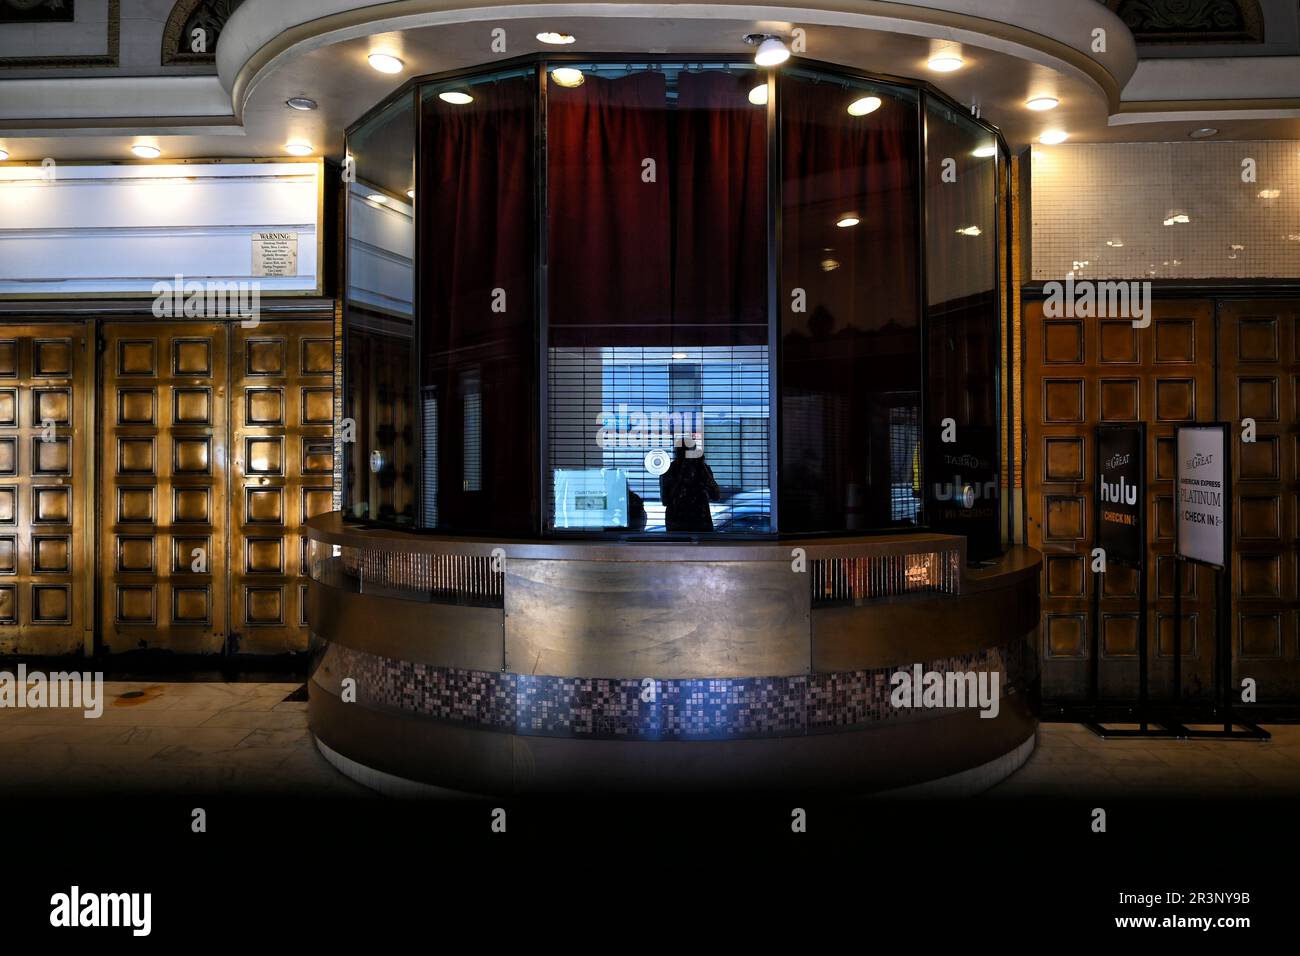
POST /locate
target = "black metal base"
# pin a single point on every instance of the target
(1162, 724)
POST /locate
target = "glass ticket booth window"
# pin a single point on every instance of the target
(664, 299)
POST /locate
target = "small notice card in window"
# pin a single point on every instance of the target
(275, 253)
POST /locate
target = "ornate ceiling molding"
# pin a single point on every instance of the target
(1191, 21)
(188, 16)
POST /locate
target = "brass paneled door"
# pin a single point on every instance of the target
(282, 462)
(163, 503)
(45, 376)
(215, 446)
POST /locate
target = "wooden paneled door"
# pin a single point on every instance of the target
(215, 447)
(1079, 373)
(46, 376)
(1259, 378)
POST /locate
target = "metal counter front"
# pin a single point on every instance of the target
(499, 666)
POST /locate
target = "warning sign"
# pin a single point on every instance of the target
(275, 254)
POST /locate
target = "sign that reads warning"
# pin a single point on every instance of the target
(1202, 494)
(1120, 493)
(275, 254)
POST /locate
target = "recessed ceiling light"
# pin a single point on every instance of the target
(1177, 218)
(865, 105)
(377, 197)
(1203, 132)
(557, 39)
(945, 62)
(1115, 243)
(1269, 193)
(983, 152)
(680, 355)
(568, 76)
(1053, 136)
(844, 222)
(455, 97)
(771, 52)
(1041, 103)
(298, 149)
(303, 103)
(970, 231)
(385, 62)
(758, 95)
(145, 151)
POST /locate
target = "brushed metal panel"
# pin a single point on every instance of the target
(902, 631)
(444, 635)
(668, 619)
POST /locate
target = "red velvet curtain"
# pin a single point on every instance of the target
(720, 211)
(678, 260)
(608, 250)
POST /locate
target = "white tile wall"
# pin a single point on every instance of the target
(1099, 211)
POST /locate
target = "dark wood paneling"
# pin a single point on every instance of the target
(1259, 371)
(1081, 373)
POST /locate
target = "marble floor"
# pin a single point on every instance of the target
(245, 738)
(1072, 761)
(228, 738)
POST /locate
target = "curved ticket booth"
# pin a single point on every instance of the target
(645, 666)
(675, 456)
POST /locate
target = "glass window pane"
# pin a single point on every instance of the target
(657, 384)
(850, 339)
(379, 466)
(478, 314)
(962, 313)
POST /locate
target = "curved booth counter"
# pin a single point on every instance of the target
(499, 666)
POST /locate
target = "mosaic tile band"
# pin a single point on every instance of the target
(633, 709)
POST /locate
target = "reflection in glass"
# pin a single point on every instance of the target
(962, 328)
(379, 465)
(657, 357)
(850, 340)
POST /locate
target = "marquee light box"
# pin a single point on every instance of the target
(119, 229)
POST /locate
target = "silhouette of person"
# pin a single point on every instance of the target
(686, 489)
(636, 516)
